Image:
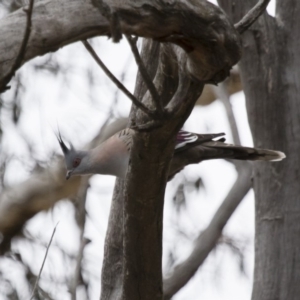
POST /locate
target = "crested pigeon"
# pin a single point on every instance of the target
(111, 157)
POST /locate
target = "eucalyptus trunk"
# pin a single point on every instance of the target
(270, 69)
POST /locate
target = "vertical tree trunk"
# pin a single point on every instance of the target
(143, 196)
(179, 77)
(270, 69)
(112, 270)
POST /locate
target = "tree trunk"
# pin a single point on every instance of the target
(189, 59)
(271, 80)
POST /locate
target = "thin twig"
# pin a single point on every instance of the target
(144, 73)
(22, 51)
(135, 101)
(38, 278)
(251, 16)
(223, 95)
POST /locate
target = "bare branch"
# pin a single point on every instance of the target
(135, 101)
(209, 237)
(46, 254)
(21, 54)
(251, 16)
(112, 269)
(179, 100)
(156, 20)
(143, 207)
(149, 83)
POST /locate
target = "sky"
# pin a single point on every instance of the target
(70, 101)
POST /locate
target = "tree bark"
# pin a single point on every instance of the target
(205, 55)
(151, 152)
(270, 75)
(143, 207)
(162, 21)
(112, 269)
(144, 195)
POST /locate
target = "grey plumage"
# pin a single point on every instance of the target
(112, 156)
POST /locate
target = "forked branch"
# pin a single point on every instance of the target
(119, 84)
(149, 83)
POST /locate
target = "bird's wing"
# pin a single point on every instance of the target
(125, 136)
(185, 139)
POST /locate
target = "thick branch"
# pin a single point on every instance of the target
(251, 16)
(112, 270)
(209, 237)
(150, 157)
(21, 54)
(211, 50)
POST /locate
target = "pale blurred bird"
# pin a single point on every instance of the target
(112, 156)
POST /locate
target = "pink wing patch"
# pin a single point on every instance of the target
(185, 137)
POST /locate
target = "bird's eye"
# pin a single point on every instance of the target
(76, 162)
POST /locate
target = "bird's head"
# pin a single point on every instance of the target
(76, 161)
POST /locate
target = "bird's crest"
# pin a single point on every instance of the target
(63, 146)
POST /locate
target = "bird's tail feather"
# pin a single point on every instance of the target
(221, 150)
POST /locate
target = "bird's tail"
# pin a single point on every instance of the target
(217, 149)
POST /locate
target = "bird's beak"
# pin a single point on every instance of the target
(69, 173)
